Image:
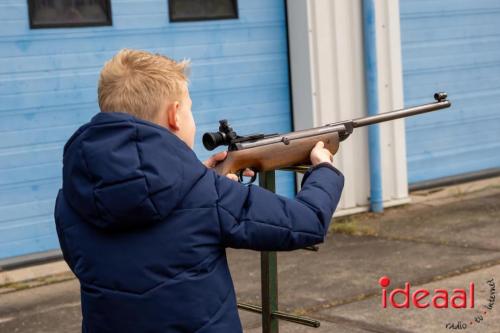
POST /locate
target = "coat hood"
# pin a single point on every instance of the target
(120, 171)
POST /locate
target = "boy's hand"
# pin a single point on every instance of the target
(319, 154)
(219, 157)
(214, 159)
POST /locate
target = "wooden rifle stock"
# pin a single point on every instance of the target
(276, 155)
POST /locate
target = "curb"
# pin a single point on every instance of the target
(9, 279)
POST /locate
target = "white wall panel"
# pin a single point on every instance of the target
(326, 55)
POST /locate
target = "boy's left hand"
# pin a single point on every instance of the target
(219, 157)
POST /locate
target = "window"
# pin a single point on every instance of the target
(69, 13)
(198, 10)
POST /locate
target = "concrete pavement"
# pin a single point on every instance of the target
(443, 243)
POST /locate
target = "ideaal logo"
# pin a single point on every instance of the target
(440, 299)
(423, 298)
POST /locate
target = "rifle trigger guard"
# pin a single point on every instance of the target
(240, 177)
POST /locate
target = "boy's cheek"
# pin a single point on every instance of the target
(193, 127)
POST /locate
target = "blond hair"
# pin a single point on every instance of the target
(139, 82)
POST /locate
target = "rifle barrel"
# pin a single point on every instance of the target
(391, 115)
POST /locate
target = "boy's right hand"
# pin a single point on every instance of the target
(212, 161)
(319, 154)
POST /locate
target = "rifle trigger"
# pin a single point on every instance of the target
(240, 177)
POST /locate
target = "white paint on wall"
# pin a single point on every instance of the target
(326, 59)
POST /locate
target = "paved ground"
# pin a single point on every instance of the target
(437, 243)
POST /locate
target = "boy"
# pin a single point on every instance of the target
(144, 224)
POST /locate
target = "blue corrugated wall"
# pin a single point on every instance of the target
(453, 46)
(48, 88)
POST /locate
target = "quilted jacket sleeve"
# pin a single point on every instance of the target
(254, 218)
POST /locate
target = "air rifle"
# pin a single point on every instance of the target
(264, 152)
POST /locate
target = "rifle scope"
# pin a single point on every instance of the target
(223, 137)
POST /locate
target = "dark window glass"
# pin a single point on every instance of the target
(197, 10)
(69, 13)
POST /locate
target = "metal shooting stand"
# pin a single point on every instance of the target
(269, 277)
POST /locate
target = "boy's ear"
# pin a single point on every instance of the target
(173, 116)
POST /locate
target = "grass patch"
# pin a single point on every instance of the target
(353, 225)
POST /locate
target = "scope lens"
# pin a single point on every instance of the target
(212, 140)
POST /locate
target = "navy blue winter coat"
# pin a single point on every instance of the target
(144, 226)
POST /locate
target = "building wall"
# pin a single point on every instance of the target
(453, 47)
(326, 54)
(48, 88)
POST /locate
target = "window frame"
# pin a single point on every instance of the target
(198, 19)
(33, 25)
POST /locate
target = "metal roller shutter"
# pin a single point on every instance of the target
(48, 88)
(452, 45)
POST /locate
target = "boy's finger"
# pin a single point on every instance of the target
(232, 176)
(319, 144)
(212, 161)
(219, 156)
(248, 173)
